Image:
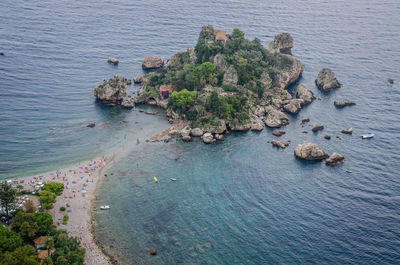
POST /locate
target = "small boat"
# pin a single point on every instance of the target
(155, 179)
(173, 179)
(349, 171)
(368, 135)
(104, 207)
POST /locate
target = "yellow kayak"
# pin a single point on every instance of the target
(155, 179)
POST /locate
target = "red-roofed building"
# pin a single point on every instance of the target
(165, 91)
(220, 35)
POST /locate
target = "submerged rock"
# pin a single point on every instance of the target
(341, 104)
(305, 94)
(334, 159)
(317, 127)
(347, 131)
(326, 80)
(282, 43)
(310, 151)
(152, 62)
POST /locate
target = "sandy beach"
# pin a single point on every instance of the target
(80, 182)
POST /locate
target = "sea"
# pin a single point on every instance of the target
(240, 201)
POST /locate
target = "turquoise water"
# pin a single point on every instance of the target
(236, 202)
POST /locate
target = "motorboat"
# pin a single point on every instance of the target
(104, 207)
(173, 179)
(367, 136)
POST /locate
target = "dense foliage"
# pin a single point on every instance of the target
(55, 187)
(8, 197)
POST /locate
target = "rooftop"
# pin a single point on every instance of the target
(220, 35)
(166, 88)
(40, 240)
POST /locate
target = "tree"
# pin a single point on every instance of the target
(182, 100)
(47, 261)
(28, 230)
(44, 222)
(25, 255)
(30, 207)
(47, 199)
(206, 73)
(49, 244)
(55, 187)
(25, 225)
(9, 240)
(8, 198)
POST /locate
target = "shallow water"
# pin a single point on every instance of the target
(237, 202)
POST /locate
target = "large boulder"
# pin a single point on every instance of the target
(230, 76)
(317, 127)
(334, 159)
(326, 80)
(310, 151)
(152, 62)
(342, 104)
(219, 128)
(185, 131)
(127, 102)
(239, 126)
(220, 62)
(347, 131)
(208, 138)
(257, 124)
(282, 43)
(305, 94)
(289, 75)
(196, 132)
(276, 118)
(293, 106)
(113, 61)
(111, 92)
(280, 144)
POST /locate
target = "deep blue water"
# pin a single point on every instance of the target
(251, 203)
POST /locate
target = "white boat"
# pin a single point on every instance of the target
(173, 179)
(368, 135)
(104, 207)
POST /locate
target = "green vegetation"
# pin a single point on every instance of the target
(62, 209)
(48, 196)
(221, 81)
(55, 187)
(8, 197)
(65, 219)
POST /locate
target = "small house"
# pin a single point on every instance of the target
(165, 91)
(40, 242)
(42, 255)
(220, 35)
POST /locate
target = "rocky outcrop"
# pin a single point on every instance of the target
(138, 79)
(220, 63)
(334, 159)
(230, 76)
(152, 62)
(219, 128)
(196, 132)
(185, 131)
(113, 61)
(278, 133)
(290, 75)
(276, 118)
(208, 138)
(342, 104)
(280, 144)
(305, 94)
(219, 137)
(326, 80)
(239, 126)
(127, 102)
(192, 54)
(257, 124)
(310, 151)
(293, 106)
(317, 127)
(265, 79)
(347, 131)
(282, 43)
(111, 92)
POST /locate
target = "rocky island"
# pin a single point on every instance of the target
(227, 83)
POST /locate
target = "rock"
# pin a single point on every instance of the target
(282, 43)
(310, 151)
(259, 111)
(91, 125)
(230, 76)
(290, 75)
(327, 137)
(220, 62)
(186, 138)
(207, 245)
(276, 118)
(280, 144)
(128, 82)
(278, 133)
(293, 106)
(334, 159)
(219, 128)
(347, 131)
(326, 80)
(390, 80)
(113, 61)
(257, 125)
(305, 120)
(338, 137)
(305, 94)
(219, 137)
(152, 62)
(305, 132)
(127, 102)
(341, 104)
(192, 54)
(111, 92)
(153, 251)
(196, 132)
(138, 79)
(185, 131)
(208, 138)
(317, 127)
(239, 127)
(265, 79)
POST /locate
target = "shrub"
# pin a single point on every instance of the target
(65, 219)
(182, 100)
(55, 187)
(62, 209)
(229, 88)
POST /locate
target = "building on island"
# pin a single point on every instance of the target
(220, 35)
(165, 91)
(40, 242)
